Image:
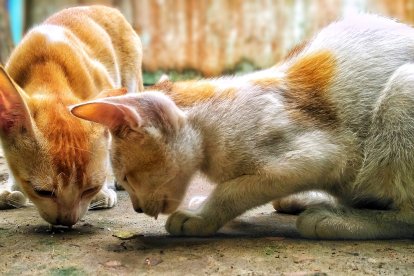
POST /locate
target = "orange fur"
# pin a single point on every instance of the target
(267, 82)
(59, 72)
(67, 140)
(188, 93)
(296, 50)
(71, 57)
(228, 93)
(308, 80)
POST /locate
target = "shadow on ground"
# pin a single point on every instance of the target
(120, 241)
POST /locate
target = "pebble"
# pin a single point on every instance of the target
(113, 263)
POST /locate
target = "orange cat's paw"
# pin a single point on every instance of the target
(9, 200)
(183, 223)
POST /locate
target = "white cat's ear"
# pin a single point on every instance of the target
(164, 77)
(172, 117)
(111, 93)
(14, 114)
(111, 115)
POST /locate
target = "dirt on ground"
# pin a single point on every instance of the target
(121, 242)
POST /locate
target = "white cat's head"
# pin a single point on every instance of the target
(146, 149)
(58, 161)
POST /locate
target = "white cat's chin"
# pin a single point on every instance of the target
(170, 207)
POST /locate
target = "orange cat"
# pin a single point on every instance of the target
(58, 161)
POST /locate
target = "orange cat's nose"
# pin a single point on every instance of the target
(66, 222)
(138, 209)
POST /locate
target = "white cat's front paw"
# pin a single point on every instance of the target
(297, 203)
(322, 223)
(288, 205)
(9, 200)
(105, 199)
(184, 223)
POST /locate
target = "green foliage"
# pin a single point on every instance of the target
(242, 67)
(270, 250)
(67, 271)
(150, 78)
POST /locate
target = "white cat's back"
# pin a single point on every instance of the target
(367, 50)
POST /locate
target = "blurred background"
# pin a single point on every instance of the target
(190, 38)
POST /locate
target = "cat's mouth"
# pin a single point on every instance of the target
(169, 205)
(164, 204)
(164, 207)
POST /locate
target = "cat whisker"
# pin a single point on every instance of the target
(96, 204)
(160, 187)
(94, 207)
(43, 187)
(88, 151)
(176, 200)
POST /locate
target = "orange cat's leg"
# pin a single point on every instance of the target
(106, 198)
(11, 198)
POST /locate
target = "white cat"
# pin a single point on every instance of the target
(337, 116)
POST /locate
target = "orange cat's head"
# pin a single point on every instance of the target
(57, 160)
(146, 154)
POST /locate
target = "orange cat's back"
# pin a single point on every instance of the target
(72, 56)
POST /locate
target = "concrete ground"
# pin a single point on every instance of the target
(121, 242)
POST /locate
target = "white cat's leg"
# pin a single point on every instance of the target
(226, 202)
(355, 224)
(10, 197)
(314, 156)
(297, 203)
(106, 198)
(386, 175)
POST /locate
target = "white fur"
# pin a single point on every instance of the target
(374, 83)
(53, 33)
(256, 151)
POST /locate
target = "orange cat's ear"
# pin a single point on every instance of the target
(112, 93)
(14, 114)
(111, 115)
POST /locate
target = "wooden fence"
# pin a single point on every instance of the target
(212, 36)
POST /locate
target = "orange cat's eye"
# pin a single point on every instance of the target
(91, 191)
(45, 193)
